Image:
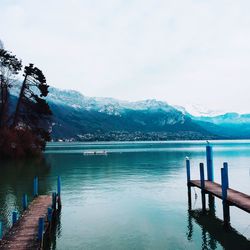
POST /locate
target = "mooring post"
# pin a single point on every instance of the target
(210, 175)
(1, 230)
(59, 192)
(188, 169)
(211, 204)
(40, 228)
(225, 166)
(224, 186)
(54, 200)
(188, 183)
(50, 214)
(25, 201)
(210, 169)
(14, 217)
(203, 195)
(35, 187)
(224, 183)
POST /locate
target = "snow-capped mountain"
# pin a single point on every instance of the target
(99, 118)
(198, 110)
(110, 106)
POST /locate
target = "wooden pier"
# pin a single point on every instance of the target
(27, 232)
(234, 198)
(229, 197)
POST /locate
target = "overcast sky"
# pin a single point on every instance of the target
(182, 51)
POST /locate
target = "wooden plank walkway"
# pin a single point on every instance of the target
(234, 198)
(23, 235)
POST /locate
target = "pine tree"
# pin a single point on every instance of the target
(9, 68)
(25, 131)
(32, 110)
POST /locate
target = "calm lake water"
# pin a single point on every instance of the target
(133, 198)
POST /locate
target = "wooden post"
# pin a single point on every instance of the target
(189, 198)
(225, 166)
(59, 192)
(25, 201)
(211, 204)
(35, 187)
(14, 217)
(188, 169)
(224, 186)
(188, 183)
(210, 175)
(203, 195)
(1, 230)
(54, 200)
(50, 214)
(210, 170)
(40, 228)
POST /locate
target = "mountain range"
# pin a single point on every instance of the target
(78, 117)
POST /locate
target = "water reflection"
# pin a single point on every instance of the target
(133, 198)
(213, 232)
(16, 178)
(54, 233)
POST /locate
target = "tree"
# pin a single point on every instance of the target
(24, 130)
(9, 68)
(32, 111)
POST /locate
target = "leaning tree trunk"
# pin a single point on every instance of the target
(4, 104)
(17, 111)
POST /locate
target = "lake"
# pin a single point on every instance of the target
(133, 198)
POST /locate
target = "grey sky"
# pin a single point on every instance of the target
(183, 51)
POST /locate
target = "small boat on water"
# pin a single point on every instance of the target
(98, 152)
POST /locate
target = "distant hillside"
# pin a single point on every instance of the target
(231, 125)
(84, 118)
(77, 117)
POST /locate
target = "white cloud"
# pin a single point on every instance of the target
(184, 52)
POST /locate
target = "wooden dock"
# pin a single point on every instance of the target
(234, 198)
(24, 234)
(34, 226)
(229, 196)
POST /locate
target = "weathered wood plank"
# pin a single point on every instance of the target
(234, 197)
(23, 235)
